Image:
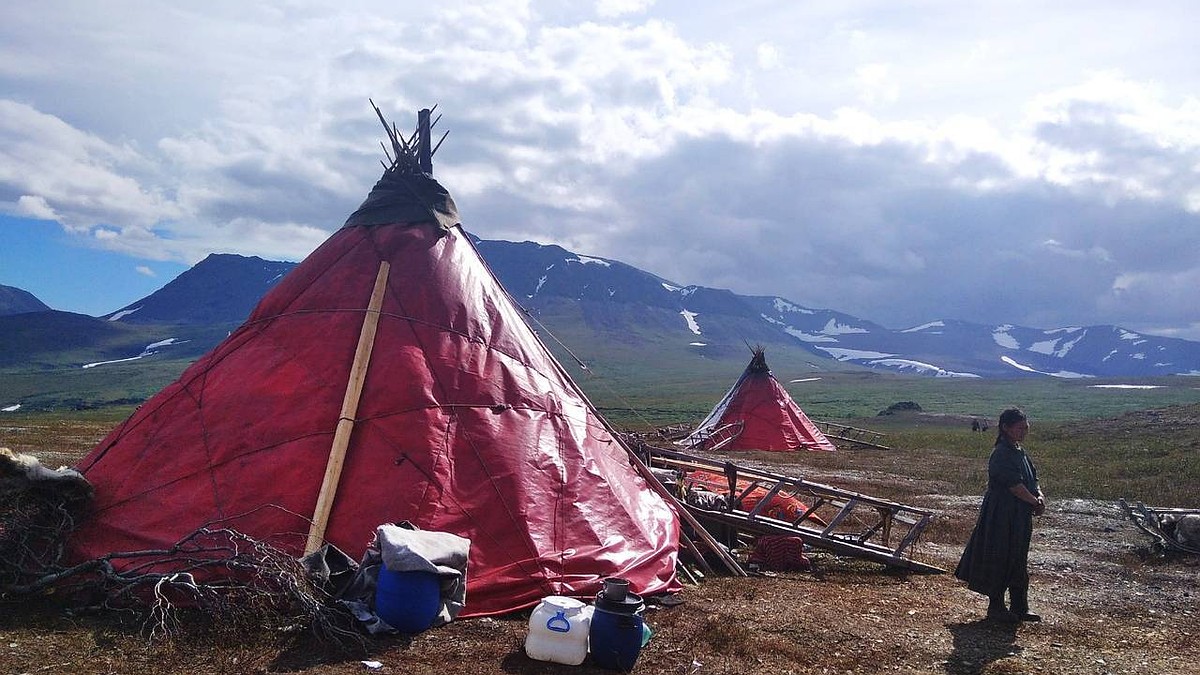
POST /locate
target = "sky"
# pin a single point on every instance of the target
(1000, 162)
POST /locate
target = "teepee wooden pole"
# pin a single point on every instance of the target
(702, 534)
(424, 153)
(345, 425)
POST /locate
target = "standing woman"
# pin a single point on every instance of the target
(997, 555)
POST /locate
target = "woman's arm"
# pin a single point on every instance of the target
(1038, 502)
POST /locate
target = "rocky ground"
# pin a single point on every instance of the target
(1110, 605)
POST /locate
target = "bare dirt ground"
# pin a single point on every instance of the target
(1108, 606)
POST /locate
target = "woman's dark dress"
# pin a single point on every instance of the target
(997, 554)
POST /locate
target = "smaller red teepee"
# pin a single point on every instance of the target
(757, 414)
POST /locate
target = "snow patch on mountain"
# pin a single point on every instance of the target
(1005, 339)
(122, 314)
(1066, 374)
(1046, 347)
(588, 260)
(105, 363)
(11, 408)
(835, 328)
(669, 287)
(690, 318)
(782, 306)
(796, 332)
(1052, 348)
(842, 354)
(918, 368)
(149, 350)
(807, 337)
(926, 326)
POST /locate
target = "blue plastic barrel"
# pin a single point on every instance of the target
(408, 601)
(615, 639)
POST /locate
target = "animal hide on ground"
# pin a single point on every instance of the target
(24, 473)
(1184, 529)
(37, 512)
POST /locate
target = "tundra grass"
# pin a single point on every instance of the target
(851, 396)
(1107, 459)
(1120, 457)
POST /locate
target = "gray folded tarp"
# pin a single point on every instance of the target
(404, 548)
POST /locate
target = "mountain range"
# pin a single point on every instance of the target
(594, 309)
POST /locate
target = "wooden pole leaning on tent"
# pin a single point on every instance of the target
(705, 538)
(345, 424)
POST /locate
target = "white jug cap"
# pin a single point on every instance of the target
(563, 602)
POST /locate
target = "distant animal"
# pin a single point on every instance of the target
(974, 425)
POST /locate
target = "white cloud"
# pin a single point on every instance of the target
(615, 8)
(1096, 253)
(35, 207)
(145, 271)
(891, 165)
(53, 167)
(876, 84)
(769, 57)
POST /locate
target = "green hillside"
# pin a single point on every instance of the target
(638, 367)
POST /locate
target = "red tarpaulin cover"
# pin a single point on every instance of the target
(466, 425)
(782, 505)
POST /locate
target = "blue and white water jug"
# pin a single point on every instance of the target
(558, 630)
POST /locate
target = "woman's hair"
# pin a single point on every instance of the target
(1008, 418)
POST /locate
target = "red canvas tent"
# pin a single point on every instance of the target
(464, 423)
(757, 414)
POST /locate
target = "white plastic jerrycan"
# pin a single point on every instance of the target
(558, 630)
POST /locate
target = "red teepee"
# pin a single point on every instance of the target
(464, 423)
(757, 414)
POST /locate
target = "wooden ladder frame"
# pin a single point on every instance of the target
(723, 435)
(850, 523)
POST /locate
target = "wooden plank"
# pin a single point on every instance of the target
(911, 538)
(762, 503)
(345, 424)
(700, 560)
(841, 515)
(810, 510)
(751, 487)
